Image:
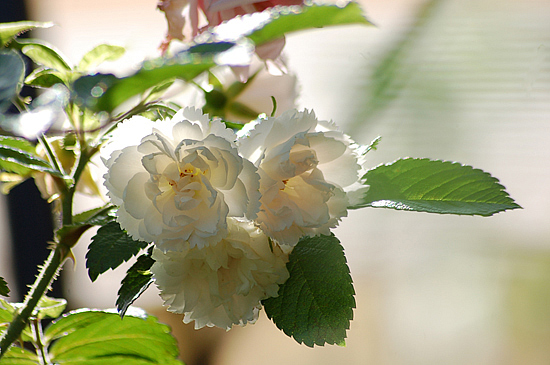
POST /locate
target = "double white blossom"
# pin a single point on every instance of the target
(306, 167)
(177, 180)
(221, 285)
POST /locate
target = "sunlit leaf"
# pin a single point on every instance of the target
(435, 186)
(12, 73)
(18, 356)
(8, 31)
(19, 144)
(44, 54)
(16, 159)
(100, 54)
(44, 78)
(50, 307)
(98, 337)
(110, 247)
(96, 217)
(137, 280)
(292, 19)
(315, 305)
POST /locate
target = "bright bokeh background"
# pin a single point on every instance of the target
(469, 81)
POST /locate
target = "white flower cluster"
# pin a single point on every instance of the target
(223, 209)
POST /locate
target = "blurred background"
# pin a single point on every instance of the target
(461, 80)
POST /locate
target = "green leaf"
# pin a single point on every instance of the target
(18, 356)
(97, 337)
(16, 160)
(315, 305)
(100, 54)
(4, 290)
(20, 144)
(435, 186)
(44, 54)
(110, 247)
(105, 92)
(96, 217)
(12, 73)
(9, 31)
(137, 280)
(44, 78)
(49, 308)
(292, 19)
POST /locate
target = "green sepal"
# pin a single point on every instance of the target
(315, 305)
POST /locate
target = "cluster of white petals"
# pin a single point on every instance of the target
(178, 180)
(306, 167)
(221, 285)
(225, 210)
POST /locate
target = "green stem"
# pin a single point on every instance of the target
(41, 285)
(40, 349)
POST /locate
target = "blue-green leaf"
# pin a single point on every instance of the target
(315, 305)
(434, 186)
(12, 73)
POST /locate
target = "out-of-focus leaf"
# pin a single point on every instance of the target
(137, 280)
(9, 31)
(4, 290)
(315, 305)
(435, 186)
(292, 19)
(98, 337)
(110, 247)
(44, 54)
(50, 307)
(44, 78)
(12, 73)
(18, 356)
(100, 54)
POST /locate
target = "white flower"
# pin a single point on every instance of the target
(175, 181)
(306, 167)
(221, 285)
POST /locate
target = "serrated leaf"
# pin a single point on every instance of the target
(137, 280)
(293, 19)
(4, 290)
(315, 305)
(435, 186)
(98, 337)
(44, 54)
(19, 144)
(100, 54)
(18, 356)
(96, 217)
(9, 31)
(13, 159)
(110, 247)
(12, 73)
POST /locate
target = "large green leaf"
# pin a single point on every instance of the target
(97, 337)
(9, 31)
(100, 54)
(110, 247)
(12, 72)
(315, 305)
(294, 19)
(434, 186)
(137, 280)
(4, 290)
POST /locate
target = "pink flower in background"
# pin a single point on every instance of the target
(216, 12)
